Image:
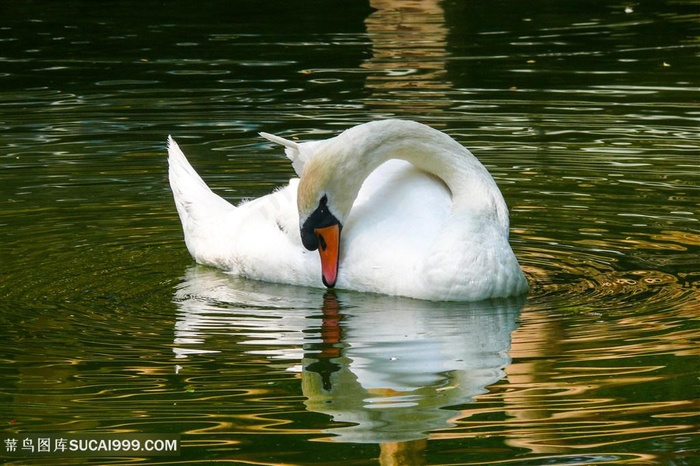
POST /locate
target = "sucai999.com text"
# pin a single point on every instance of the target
(57, 444)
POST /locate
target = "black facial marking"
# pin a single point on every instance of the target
(320, 218)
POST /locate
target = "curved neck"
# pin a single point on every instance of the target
(360, 150)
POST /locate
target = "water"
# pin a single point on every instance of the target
(585, 113)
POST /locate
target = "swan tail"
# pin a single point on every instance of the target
(197, 205)
(184, 180)
(281, 141)
(294, 151)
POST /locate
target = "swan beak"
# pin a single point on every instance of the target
(329, 250)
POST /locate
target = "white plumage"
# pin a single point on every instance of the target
(421, 217)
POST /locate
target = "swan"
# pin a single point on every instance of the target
(392, 207)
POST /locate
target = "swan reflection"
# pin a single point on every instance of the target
(386, 369)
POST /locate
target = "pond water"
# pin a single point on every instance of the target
(586, 113)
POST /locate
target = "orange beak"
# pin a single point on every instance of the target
(329, 250)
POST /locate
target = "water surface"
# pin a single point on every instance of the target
(586, 114)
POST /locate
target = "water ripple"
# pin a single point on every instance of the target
(585, 117)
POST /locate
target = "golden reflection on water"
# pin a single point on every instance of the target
(551, 397)
(565, 384)
(409, 40)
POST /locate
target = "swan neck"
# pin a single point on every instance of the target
(433, 152)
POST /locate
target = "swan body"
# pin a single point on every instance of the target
(393, 206)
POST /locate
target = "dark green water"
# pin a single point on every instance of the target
(586, 113)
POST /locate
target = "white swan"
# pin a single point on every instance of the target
(432, 226)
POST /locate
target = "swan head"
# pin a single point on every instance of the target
(327, 190)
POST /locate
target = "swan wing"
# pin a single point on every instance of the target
(395, 220)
